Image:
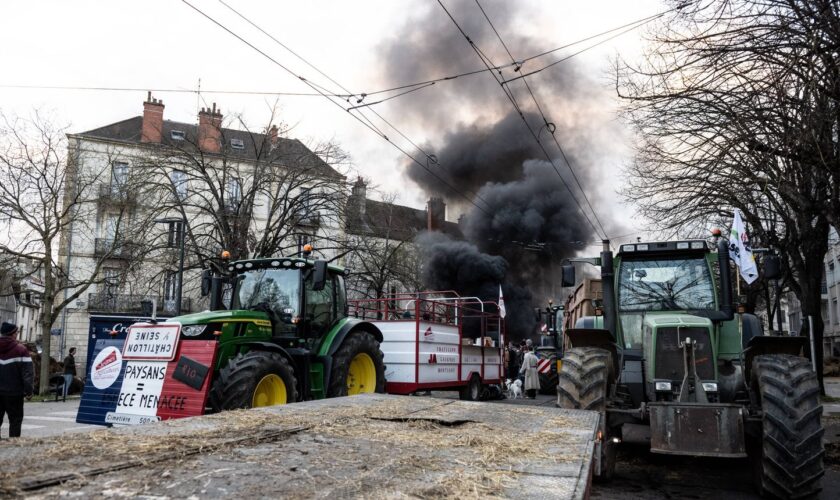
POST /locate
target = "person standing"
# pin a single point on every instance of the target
(69, 370)
(16, 377)
(512, 361)
(529, 368)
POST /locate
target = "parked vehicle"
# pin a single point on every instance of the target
(670, 364)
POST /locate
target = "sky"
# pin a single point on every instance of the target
(167, 45)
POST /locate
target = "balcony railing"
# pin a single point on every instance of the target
(116, 249)
(118, 303)
(114, 194)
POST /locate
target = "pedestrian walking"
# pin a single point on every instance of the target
(16, 377)
(512, 360)
(529, 369)
(69, 370)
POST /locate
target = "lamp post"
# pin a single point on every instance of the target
(180, 225)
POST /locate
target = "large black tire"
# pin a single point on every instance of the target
(788, 462)
(471, 391)
(583, 384)
(583, 379)
(238, 381)
(359, 342)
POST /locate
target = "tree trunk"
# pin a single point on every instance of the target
(46, 341)
(810, 281)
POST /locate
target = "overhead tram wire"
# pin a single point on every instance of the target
(429, 157)
(309, 84)
(632, 25)
(545, 121)
(516, 106)
(181, 90)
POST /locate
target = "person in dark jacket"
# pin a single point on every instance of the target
(69, 370)
(16, 377)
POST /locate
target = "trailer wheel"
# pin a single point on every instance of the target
(583, 384)
(788, 462)
(358, 367)
(254, 379)
(471, 391)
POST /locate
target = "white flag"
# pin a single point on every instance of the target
(502, 311)
(740, 250)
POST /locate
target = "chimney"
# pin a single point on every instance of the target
(152, 128)
(359, 194)
(210, 129)
(435, 214)
(272, 136)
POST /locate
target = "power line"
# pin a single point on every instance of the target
(429, 158)
(181, 90)
(308, 83)
(545, 121)
(519, 111)
(518, 64)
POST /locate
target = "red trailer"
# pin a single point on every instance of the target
(437, 340)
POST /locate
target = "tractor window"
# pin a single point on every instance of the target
(665, 285)
(274, 291)
(319, 307)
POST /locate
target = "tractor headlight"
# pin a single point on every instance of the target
(710, 386)
(193, 330)
(663, 386)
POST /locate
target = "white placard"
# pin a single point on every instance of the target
(141, 387)
(127, 419)
(152, 342)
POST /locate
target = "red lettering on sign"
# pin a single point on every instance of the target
(432, 358)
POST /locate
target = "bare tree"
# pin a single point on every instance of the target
(735, 106)
(381, 252)
(255, 194)
(45, 197)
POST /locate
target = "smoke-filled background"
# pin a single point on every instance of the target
(526, 221)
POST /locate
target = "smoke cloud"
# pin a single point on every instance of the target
(526, 221)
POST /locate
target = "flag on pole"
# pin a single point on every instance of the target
(740, 250)
(502, 311)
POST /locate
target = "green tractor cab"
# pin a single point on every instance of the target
(284, 335)
(670, 364)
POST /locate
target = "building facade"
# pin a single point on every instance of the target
(152, 185)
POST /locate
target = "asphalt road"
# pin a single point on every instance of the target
(48, 419)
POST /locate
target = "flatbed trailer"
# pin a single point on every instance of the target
(367, 446)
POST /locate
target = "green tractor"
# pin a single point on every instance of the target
(286, 336)
(670, 365)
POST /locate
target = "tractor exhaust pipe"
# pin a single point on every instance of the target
(727, 308)
(608, 288)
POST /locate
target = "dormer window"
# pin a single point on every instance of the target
(237, 144)
(178, 135)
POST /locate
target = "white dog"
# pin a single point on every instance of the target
(514, 388)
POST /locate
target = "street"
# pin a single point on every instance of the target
(48, 419)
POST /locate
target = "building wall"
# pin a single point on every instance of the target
(93, 160)
(832, 292)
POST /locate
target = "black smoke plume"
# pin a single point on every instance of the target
(526, 220)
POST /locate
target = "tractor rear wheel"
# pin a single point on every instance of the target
(357, 367)
(471, 391)
(789, 459)
(254, 379)
(583, 384)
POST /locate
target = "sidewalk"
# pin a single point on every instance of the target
(832, 388)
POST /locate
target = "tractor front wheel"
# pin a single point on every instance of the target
(788, 460)
(357, 367)
(254, 379)
(583, 384)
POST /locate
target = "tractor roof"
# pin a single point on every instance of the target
(659, 247)
(280, 263)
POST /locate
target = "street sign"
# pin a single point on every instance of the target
(55, 332)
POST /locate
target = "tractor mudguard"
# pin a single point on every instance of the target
(334, 339)
(766, 344)
(594, 337)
